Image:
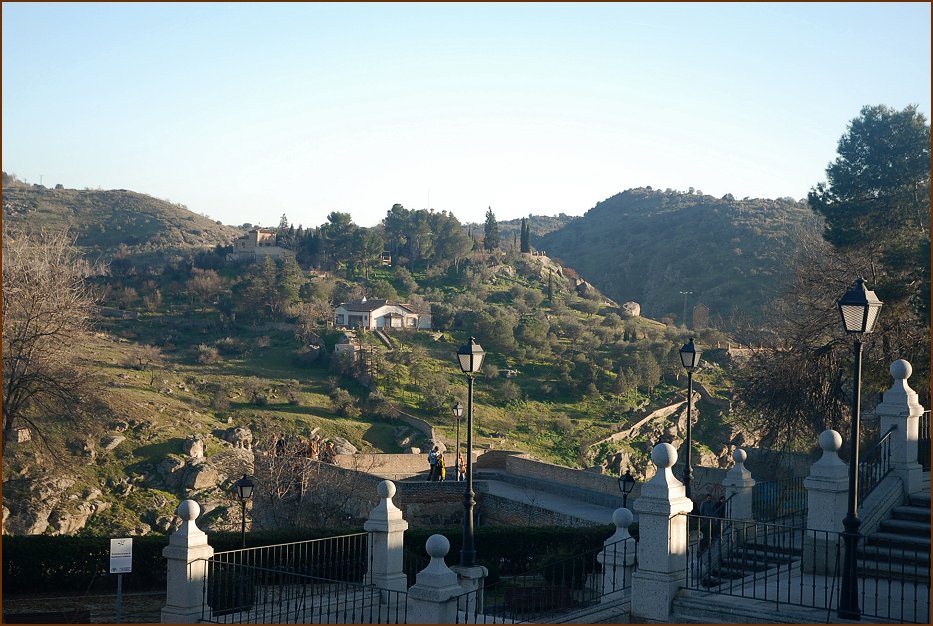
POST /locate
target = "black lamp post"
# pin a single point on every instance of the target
(470, 356)
(626, 484)
(458, 413)
(690, 358)
(244, 491)
(859, 309)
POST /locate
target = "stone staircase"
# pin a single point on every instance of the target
(900, 548)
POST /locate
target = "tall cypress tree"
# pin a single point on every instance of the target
(491, 240)
(526, 236)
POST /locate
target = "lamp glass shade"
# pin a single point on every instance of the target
(244, 488)
(689, 355)
(470, 356)
(458, 410)
(626, 482)
(859, 309)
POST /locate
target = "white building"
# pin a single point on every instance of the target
(372, 314)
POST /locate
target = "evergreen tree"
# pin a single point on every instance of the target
(491, 232)
(526, 236)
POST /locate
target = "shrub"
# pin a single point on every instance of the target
(207, 354)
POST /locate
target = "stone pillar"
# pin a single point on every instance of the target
(618, 559)
(738, 486)
(662, 541)
(434, 596)
(901, 409)
(187, 553)
(386, 530)
(827, 503)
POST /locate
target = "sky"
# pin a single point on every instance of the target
(244, 111)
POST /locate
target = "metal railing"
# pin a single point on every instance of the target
(923, 441)
(563, 587)
(247, 594)
(343, 558)
(875, 465)
(762, 561)
(782, 500)
(894, 581)
(802, 567)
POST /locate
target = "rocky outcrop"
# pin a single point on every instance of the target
(240, 437)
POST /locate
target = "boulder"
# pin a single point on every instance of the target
(631, 309)
(239, 436)
(342, 446)
(202, 477)
(193, 447)
(110, 442)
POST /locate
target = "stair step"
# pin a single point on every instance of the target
(906, 527)
(911, 512)
(886, 538)
(893, 571)
(895, 555)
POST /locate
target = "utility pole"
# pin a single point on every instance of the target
(685, 294)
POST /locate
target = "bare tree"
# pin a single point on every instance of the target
(46, 312)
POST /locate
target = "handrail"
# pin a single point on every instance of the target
(875, 465)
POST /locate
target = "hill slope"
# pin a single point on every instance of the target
(650, 246)
(103, 220)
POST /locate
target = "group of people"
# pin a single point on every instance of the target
(437, 466)
(314, 448)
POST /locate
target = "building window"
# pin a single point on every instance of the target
(339, 319)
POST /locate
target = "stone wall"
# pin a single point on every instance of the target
(498, 511)
(530, 468)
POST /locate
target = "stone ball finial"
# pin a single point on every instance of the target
(622, 518)
(830, 440)
(901, 369)
(188, 510)
(664, 455)
(437, 546)
(386, 489)
(739, 456)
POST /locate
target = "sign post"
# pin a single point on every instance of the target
(121, 562)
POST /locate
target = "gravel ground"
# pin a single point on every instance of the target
(137, 608)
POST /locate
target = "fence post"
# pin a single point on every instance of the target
(901, 408)
(434, 596)
(827, 488)
(738, 486)
(386, 529)
(618, 559)
(662, 539)
(187, 553)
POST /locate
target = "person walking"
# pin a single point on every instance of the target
(432, 463)
(707, 512)
(441, 468)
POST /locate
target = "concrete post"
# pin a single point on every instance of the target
(187, 553)
(386, 530)
(433, 598)
(662, 541)
(827, 492)
(901, 409)
(618, 559)
(738, 486)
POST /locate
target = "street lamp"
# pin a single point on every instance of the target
(244, 491)
(859, 309)
(470, 356)
(458, 413)
(626, 484)
(690, 358)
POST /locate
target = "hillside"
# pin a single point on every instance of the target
(648, 246)
(102, 221)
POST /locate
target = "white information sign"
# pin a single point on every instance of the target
(121, 556)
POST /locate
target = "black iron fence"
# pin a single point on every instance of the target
(565, 586)
(802, 567)
(923, 442)
(783, 501)
(343, 558)
(247, 594)
(875, 465)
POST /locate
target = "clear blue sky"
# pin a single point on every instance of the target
(244, 112)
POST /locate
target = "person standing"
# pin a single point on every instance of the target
(432, 463)
(441, 468)
(461, 467)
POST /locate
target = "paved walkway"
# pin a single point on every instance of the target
(547, 501)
